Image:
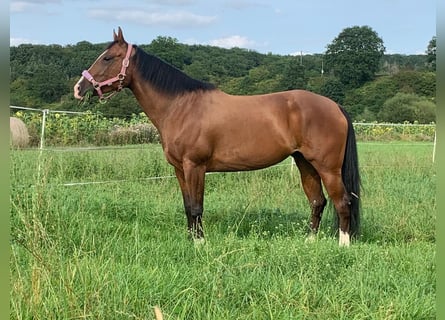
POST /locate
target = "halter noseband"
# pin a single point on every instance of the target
(120, 77)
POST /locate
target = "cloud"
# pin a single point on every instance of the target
(173, 19)
(14, 42)
(243, 4)
(233, 41)
(172, 2)
(20, 6)
(28, 5)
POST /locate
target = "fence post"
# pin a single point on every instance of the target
(42, 134)
(434, 147)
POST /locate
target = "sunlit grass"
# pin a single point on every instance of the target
(116, 249)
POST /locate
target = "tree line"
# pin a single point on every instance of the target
(354, 71)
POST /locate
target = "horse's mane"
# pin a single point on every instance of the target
(165, 77)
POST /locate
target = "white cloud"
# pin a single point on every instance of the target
(20, 6)
(173, 2)
(233, 41)
(174, 19)
(14, 42)
(28, 5)
(245, 4)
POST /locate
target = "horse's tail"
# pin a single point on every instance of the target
(351, 176)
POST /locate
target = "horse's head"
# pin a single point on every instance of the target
(109, 73)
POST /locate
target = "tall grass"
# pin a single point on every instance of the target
(114, 250)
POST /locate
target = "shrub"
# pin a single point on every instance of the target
(134, 134)
(407, 107)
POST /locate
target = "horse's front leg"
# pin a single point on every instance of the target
(191, 179)
(185, 198)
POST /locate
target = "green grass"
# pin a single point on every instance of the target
(116, 249)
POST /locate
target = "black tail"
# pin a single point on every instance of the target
(351, 176)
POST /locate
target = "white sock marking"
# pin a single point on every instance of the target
(344, 239)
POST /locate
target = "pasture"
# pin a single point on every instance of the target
(95, 236)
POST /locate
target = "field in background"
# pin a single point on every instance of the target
(96, 236)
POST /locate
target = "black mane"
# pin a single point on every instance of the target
(166, 77)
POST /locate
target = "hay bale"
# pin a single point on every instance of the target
(19, 136)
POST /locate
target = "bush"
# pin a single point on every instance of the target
(407, 107)
(133, 134)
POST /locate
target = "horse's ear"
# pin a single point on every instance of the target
(119, 37)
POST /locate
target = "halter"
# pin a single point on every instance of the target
(120, 77)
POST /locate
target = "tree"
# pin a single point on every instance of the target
(431, 53)
(168, 49)
(47, 83)
(333, 88)
(294, 75)
(354, 55)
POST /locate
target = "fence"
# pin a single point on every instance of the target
(88, 129)
(55, 128)
(44, 112)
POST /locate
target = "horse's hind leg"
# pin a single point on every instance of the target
(337, 192)
(311, 182)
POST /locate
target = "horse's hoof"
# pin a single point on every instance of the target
(311, 238)
(198, 241)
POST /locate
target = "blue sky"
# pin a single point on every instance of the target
(279, 27)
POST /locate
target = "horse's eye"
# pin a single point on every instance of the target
(108, 58)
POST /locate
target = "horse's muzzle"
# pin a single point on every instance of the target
(81, 87)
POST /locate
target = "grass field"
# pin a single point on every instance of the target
(115, 249)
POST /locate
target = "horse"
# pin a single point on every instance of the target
(204, 129)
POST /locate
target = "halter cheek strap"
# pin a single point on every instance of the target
(120, 77)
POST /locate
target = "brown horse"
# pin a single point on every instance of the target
(203, 129)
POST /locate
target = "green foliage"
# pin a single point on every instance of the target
(431, 52)
(391, 64)
(408, 107)
(367, 101)
(370, 97)
(354, 55)
(170, 50)
(420, 83)
(294, 76)
(334, 89)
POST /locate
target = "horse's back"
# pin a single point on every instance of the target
(250, 132)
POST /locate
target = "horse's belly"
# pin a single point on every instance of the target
(247, 158)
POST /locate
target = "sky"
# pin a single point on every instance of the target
(279, 27)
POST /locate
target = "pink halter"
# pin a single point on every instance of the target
(120, 77)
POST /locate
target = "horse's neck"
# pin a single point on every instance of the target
(153, 103)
